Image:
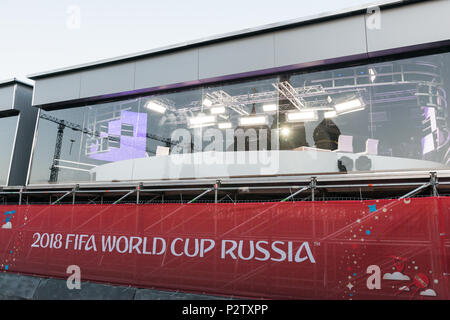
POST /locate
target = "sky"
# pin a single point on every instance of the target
(43, 35)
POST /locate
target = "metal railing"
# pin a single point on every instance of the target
(314, 191)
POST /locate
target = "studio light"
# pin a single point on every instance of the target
(252, 121)
(330, 114)
(207, 103)
(155, 106)
(303, 116)
(202, 121)
(349, 106)
(225, 125)
(373, 74)
(285, 132)
(270, 107)
(218, 110)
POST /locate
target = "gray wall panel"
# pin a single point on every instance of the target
(168, 69)
(59, 88)
(236, 56)
(107, 80)
(6, 97)
(411, 25)
(24, 138)
(343, 37)
(310, 43)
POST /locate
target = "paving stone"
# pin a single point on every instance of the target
(19, 286)
(54, 289)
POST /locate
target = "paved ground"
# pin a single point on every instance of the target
(20, 287)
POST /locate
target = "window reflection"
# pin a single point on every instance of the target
(379, 117)
(8, 126)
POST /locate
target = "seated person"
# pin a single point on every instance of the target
(326, 135)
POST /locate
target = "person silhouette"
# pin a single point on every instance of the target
(326, 135)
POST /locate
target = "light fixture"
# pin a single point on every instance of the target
(225, 125)
(349, 106)
(302, 116)
(330, 114)
(329, 99)
(252, 121)
(285, 132)
(217, 110)
(373, 74)
(155, 106)
(202, 121)
(270, 107)
(207, 103)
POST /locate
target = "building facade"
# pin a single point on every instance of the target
(271, 125)
(17, 122)
(341, 93)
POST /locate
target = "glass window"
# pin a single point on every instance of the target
(8, 126)
(389, 116)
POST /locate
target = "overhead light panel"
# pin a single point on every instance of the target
(202, 121)
(270, 107)
(207, 103)
(155, 106)
(252, 121)
(225, 125)
(330, 114)
(349, 106)
(218, 110)
(303, 116)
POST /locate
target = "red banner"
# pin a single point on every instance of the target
(383, 249)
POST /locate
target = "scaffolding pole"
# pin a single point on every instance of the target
(294, 194)
(129, 193)
(60, 198)
(201, 195)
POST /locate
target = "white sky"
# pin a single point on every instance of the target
(35, 37)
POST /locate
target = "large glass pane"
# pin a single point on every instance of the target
(71, 143)
(389, 116)
(8, 126)
(380, 117)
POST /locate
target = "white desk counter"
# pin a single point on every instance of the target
(244, 163)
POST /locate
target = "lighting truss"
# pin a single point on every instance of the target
(221, 98)
(288, 91)
(239, 102)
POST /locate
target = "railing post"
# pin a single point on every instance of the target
(434, 183)
(139, 188)
(216, 190)
(77, 187)
(20, 196)
(312, 186)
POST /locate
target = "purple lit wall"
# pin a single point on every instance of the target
(131, 147)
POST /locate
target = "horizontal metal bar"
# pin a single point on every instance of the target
(79, 163)
(328, 178)
(71, 168)
(239, 188)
